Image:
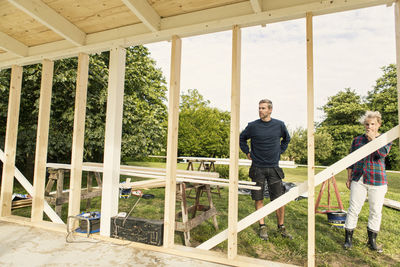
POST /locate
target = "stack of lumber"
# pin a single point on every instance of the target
(157, 176)
(21, 203)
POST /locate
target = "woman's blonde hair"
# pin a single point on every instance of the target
(370, 115)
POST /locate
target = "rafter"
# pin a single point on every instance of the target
(12, 45)
(145, 13)
(51, 19)
(195, 23)
(256, 5)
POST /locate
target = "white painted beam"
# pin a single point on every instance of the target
(113, 134)
(143, 10)
(256, 5)
(310, 142)
(195, 23)
(51, 19)
(172, 142)
(12, 45)
(322, 176)
(42, 140)
(78, 137)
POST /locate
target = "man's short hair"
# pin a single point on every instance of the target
(269, 102)
(370, 115)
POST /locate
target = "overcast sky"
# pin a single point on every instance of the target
(349, 50)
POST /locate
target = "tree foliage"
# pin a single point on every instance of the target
(144, 109)
(203, 130)
(342, 114)
(343, 111)
(297, 149)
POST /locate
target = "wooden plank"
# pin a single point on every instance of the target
(391, 204)
(10, 146)
(172, 142)
(143, 10)
(301, 189)
(12, 45)
(42, 140)
(29, 188)
(112, 145)
(60, 187)
(234, 143)
(310, 142)
(78, 137)
(256, 5)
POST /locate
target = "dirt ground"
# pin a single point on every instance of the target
(30, 246)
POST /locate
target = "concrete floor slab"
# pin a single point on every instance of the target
(30, 246)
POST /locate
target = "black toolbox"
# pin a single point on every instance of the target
(138, 230)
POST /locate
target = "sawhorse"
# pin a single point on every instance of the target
(189, 223)
(321, 191)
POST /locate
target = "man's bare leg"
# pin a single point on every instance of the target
(259, 204)
(280, 215)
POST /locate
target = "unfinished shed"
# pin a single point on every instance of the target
(41, 31)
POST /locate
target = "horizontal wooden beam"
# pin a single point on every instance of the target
(12, 45)
(195, 23)
(256, 5)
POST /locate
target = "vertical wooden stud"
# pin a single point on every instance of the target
(310, 141)
(234, 144)
(172, 142)
(60, 187)
(397, 29)
(113, 135)
(10, 145)
(42, 140)
(78, 135)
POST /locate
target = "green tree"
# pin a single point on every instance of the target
(144, 108)
(203, 130)
(383, 98)
(297, 149)
(342, 114)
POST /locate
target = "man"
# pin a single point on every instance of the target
(367, 177)
(269, 138)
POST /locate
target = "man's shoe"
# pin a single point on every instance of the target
(264, 233)
(284, 233)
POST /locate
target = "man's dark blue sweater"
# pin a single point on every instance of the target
(268, 141)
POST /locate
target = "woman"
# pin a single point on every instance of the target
(367, 177)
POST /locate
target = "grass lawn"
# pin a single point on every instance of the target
(329, 239)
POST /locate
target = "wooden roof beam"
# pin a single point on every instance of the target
(12, 45)
(51, 19)
(143, 10)
(256, 5)
(195, 23)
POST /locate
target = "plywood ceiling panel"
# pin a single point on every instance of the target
(168, 8)
(94, 15)
(23, 28)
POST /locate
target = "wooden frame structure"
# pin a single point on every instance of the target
(41, 31)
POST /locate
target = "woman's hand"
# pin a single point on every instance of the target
(348, 183)
(248, 156)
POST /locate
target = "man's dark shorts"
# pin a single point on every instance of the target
(273, 176)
